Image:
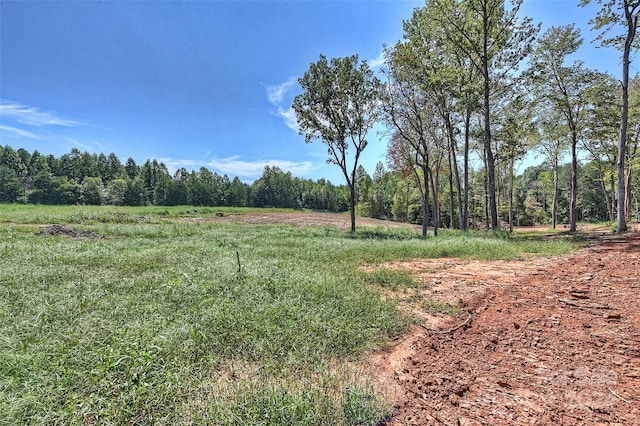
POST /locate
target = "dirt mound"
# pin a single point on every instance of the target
(61, 230)
(338, 220)
(557, 343)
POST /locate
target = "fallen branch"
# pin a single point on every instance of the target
(611, 390)
(451, 330)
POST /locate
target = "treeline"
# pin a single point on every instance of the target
(496, 94)
(389, 195)
(473, 84)
(94, 179)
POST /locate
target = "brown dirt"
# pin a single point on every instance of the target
(337, 220)
(62, 230)
(549, 341)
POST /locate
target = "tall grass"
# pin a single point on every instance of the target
(174, 323)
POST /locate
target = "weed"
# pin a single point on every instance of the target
(435, 306)
(391, 279)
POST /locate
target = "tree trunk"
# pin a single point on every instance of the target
(627, 198)
(465, 209)
(451, 207)
(453, 165)
(352, 205)
(632, 156)
(612, 216)
(425, 201)
(511, 161)
(423, 186)
(554, 202)
(632, 21)
(491, 180)
(487, 219)
(574, 183)
(436, 202)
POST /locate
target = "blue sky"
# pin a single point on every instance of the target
(198, 83)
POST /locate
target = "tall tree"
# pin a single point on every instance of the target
(131, 168)
(564, 87)
(411, 113)
(552, 145)
(633, 138)
(338, 106)
(440, 73)
(495, 41)
(601, 135)
(613, 13)
(514, 132)
(9, 184)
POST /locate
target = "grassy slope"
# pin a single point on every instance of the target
(196, 323)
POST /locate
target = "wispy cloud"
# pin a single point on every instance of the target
(19, 132)
(33, 116)
(276, 97)
(377, 62)
(235, 166)
(289, 117)
(276, 93)
(81, 145)
(175, 164)
(253, 169)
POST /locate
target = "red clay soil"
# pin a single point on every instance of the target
(341, 221)
(544, 342)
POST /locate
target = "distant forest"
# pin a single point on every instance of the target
(94, 179)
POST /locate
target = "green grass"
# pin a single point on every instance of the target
(196, 323)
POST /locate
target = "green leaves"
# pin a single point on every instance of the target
(339, 105)
(611, 14)
(339, 102)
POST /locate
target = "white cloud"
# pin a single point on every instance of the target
(289, 117)
(173, 164)
(81, 145)
(234, 166)
(19, 132)
(33, 116)
(275, 94)
(276, 97)
(377, 62)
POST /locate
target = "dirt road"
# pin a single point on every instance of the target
(546, 342)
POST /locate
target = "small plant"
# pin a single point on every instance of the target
(435, 306)
(391, 279)
(361, 406)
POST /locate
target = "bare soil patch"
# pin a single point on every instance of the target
(549, 341)
(337, 220)
(62, 230)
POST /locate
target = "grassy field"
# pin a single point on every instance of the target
(159, 322)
